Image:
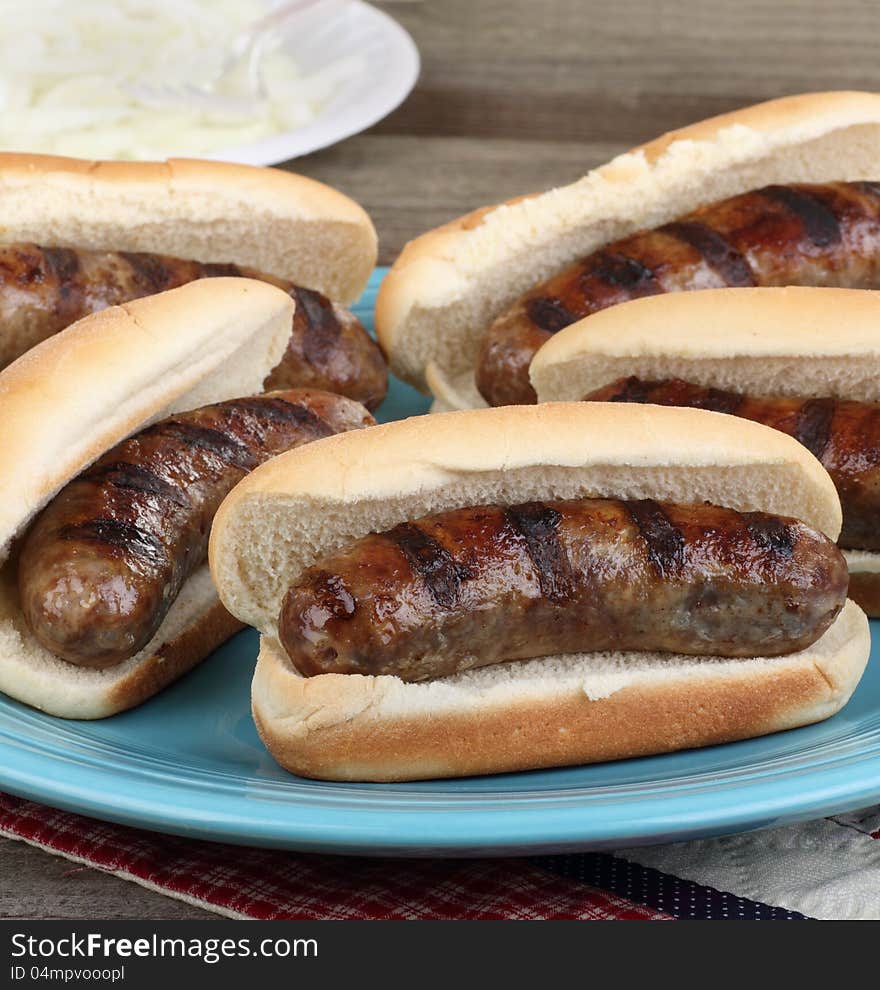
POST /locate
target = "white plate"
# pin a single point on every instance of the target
(388, 75)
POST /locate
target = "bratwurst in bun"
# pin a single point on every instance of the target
(79, 236)
(780, 193)
(122, 434)
(537, 586)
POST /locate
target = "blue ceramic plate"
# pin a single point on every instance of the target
(189, 762)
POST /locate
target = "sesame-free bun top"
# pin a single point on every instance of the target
(308, 502)
(78, 393)
(448, 285)
(278, 222)
(794, 341)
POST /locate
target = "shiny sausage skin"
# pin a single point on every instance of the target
(43, 290)
(488, 584)
(103, 563)
(330, 349)
(779, 235)
(843, 435)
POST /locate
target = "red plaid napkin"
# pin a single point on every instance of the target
(824, 869)
(268, 884)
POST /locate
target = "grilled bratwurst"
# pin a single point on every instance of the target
(487, 584)
(843, 435)
(104, 561)
(43, 290)
(823, 235)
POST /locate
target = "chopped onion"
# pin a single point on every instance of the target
(129, 79)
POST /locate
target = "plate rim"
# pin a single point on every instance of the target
(378, 828)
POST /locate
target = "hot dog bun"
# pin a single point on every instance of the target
(770, 341)
(766, 341)
(545, 712)
(278, 222)
(69, 399)
(450, 283)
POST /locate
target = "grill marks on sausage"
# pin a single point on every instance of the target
(538, 526)
(720, 400)
(238, 446)
(549, 314)
(441, 574)
(122, 538)
(819, 222)
(717, 252)
(151, 271)
(244, 419)
(630, 389)
(770, 533)
(330, 349)
(126, 476)
(322, 329)
(612, 269)
(230, 449)
(227, 448)
(813, 427)
(672, 392)
(281, 411)
(663, 539)
(63, 264)
(624, 272)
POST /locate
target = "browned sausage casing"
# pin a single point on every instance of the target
(104, 561)
(483, 585)
(43, 290)
(843, 435)
(780, 235)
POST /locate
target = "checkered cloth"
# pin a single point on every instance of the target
(825, 869)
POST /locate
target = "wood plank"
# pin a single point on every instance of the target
(34, 884)
(626, 71)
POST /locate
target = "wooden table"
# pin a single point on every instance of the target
(515, 96)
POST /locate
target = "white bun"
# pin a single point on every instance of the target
(306, 503)
(278, 222)
(772, 341)
(551, 712)
(449, 284)
(65, 402)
